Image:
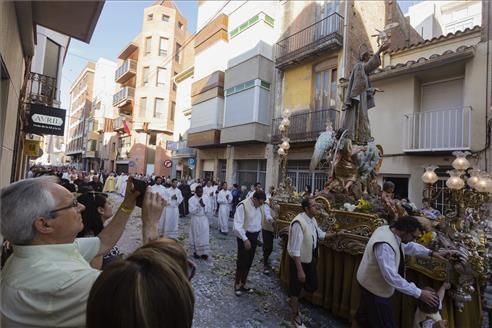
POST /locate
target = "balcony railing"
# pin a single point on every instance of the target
(306, 126)
(123, 96)
(183, 150)
(326, 33)
(118, 123)
(41, 89)
(126, 71)
(440, 130)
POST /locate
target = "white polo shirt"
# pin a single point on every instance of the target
(48, 285)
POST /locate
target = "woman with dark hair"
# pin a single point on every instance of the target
(151, 288)
(307, 191)
(98, 209)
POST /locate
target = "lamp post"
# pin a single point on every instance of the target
(284, 147)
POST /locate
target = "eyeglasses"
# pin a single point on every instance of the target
(75, 203)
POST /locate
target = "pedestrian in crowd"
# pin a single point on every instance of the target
(95, 184)
(121, 183)
(236, 195)
(244, 193)
(68, 185)
(49, 265)
(428, 211)
(247, 226)
(194, 184)
(302, 247)
(224, 199)
(173, 197)
(185, 189)
(109, 185)
(157, 290)
(267, 233)
(208, 197)
(381, 269)
(98, 209)
(215, 204)
(430, 317)
(252, 190)
(199, 226)
(161, 190)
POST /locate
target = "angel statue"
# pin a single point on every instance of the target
(360, 96)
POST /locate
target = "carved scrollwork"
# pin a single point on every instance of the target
(429, 266)
(348, 243)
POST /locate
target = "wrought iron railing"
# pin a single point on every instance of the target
(440, 130)
(306, 126)
(129, 65)
(323, 34)
(125, 93)
(41, 89)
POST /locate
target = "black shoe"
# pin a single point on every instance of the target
(204, 257)
(259, 243)
(195, 255)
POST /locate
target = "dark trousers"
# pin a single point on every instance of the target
(267, 245)
(183, 207)
(374, 311)
(245, 257)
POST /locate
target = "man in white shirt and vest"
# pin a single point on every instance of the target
(47, 279)
(302, 247)
(381, 271)
(247, 226)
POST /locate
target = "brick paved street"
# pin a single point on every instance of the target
(216, 305)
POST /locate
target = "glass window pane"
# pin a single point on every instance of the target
(143, 106)
(159, 109)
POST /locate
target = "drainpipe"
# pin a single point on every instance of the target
(345, 39)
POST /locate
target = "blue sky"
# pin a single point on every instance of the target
(119, 23)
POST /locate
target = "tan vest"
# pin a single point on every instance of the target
(368, 274)
(248, 210)
(307, 240)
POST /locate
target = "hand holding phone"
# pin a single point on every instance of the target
(141, 187)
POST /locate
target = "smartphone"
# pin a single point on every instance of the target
(140, 186)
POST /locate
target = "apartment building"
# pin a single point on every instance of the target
(19, 21)
(99, 124)
(443, 100)
(184, 157)
(232, 93)
(44, 87)
(81, 95)
(435, 18)
(146, 99)
(319, 43)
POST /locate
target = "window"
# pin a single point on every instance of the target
(161, 76)
(51, 56)
(173, 108)
(180, 25)
(250, 171)
(150, 17)
(163, 46)
(159, 108)
(301, 176)
(143, 106)
(177, 56)
(148, 45)
(325, 88)
(145, 78)
(152, 139)
(165, 18)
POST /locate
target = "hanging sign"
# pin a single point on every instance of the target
(45, 120)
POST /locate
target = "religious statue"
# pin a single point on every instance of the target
(360, 96)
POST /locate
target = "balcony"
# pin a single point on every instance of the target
(183, 151)
(118, 125)
(124, 99)
(41, 89)
(323, 35)
(437, 131)
(126, 71)
(305, 126)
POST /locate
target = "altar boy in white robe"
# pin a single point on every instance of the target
(199, 230)
(224, 199)
(161, 190)
(173, 197)
(208, 198)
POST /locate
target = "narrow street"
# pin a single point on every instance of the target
(216, 304)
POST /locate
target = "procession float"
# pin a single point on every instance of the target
(353, 204)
